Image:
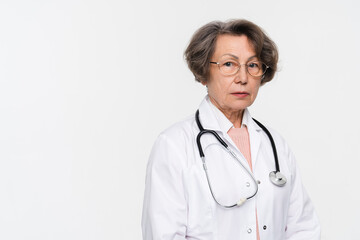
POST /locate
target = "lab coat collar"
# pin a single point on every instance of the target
(223, 122)
(212, 118)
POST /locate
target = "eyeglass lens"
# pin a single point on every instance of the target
(229, 66)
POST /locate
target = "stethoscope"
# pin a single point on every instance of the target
(276, 177)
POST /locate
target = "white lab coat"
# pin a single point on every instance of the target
(178, 204)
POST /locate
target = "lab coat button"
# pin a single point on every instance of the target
(258, 182)
(249, 230)
(247, 184)
(264, 227)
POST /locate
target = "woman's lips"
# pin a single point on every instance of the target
(240, 94)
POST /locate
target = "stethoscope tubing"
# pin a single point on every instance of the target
(275, 176)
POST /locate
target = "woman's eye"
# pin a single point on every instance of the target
(229, 64)
(253, 65)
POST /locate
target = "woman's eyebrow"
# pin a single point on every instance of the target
(231, 55)
(252, 57)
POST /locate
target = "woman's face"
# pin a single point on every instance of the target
(233, 93)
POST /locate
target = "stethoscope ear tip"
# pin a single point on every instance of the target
(277, 178)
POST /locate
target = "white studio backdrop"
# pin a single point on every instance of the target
(86, 87)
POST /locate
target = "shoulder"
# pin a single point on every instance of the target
(278, 138)
(179, 131)
(173, 145)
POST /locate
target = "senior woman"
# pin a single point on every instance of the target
(216, 174)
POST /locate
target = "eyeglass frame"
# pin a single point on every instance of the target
(246, 67)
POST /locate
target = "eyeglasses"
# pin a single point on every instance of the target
(229, 66)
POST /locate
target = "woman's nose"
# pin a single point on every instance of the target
(242, 75)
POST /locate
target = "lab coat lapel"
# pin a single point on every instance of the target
(207, 118)
(254, 135)
(255, 142)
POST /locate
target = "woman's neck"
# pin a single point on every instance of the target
(235, 117)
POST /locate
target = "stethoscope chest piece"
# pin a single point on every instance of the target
(277, 178)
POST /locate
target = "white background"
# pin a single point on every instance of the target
(86, 87)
